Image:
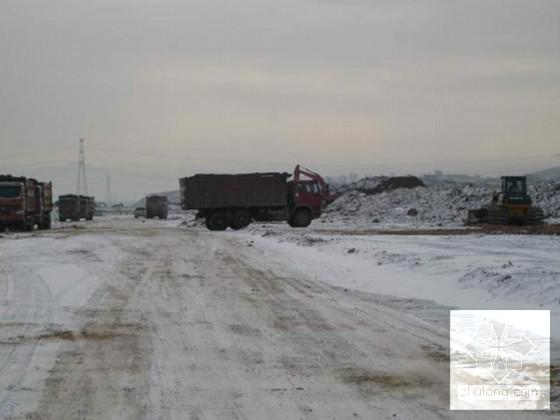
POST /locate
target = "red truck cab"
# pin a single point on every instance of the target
(305, 202)
(12, 203)
(308, 196)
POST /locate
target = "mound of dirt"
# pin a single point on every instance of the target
(392, 183)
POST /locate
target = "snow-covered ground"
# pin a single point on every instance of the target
(473, 271)
(122, 318)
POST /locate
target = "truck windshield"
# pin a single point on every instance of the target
(10, 191)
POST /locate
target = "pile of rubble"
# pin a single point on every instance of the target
(411, 200)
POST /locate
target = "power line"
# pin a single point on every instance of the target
(35, 152)
(187, 158)
(384, 166)
(43, 164)
(103, 170)
(198, 158)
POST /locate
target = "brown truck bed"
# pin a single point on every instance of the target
(209, 191)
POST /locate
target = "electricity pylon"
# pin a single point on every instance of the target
(82, 180)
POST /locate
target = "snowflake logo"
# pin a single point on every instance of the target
(499, 349)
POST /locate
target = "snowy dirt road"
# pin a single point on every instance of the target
(131, 320)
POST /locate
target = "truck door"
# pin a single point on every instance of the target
(316, 199)
(308, 195)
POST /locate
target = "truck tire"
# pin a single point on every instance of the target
(241, 218)
(218, 221)
(301, 218)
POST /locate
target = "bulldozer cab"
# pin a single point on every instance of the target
(514, 185)
(514, 190)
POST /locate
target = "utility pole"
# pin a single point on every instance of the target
(82, 180)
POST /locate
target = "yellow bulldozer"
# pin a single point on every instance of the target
(511, 206)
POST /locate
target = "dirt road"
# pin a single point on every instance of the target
(147, 321)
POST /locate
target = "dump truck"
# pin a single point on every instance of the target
(511, 206)
(25, 203)
(156, 206)
(75, 207)
(68, 207)
(236, 200)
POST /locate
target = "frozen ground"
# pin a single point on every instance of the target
(132, 319)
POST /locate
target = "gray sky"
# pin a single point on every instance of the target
(369, 86)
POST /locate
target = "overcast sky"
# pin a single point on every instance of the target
(161, 89)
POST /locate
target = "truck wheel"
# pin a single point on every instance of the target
(301, 218)
(218, 221)
(47, 222)
(241, 218)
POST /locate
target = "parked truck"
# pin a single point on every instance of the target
(236, 200)
(75, 207)
(156, 206)
(87, 207)
(25, 203)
